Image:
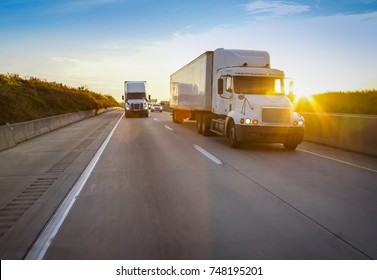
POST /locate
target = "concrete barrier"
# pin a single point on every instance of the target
(356, 133)
(12, 134)
(6, 137)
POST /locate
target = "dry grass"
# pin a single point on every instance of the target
(29, 99)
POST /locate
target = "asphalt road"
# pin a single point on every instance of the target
(154, 195)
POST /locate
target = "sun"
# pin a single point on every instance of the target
(297, 90)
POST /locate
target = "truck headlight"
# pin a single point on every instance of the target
(298, 123)
(249, 121)
(298, 119)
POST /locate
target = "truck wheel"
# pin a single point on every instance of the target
(206, 123)
(290, 146)
(292, 142)
(199, 117)
(234, 143)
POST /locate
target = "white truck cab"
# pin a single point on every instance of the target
(135, 98)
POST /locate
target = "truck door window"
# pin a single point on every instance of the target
(220, 86)
(278, 86)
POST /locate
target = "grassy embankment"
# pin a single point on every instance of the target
(29, 99)
(357, 102)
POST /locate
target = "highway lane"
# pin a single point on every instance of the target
(37, 174)
(153, 195)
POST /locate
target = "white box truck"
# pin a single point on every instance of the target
(135, 98)
(236, 94)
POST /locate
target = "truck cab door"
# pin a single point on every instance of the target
(225, 95)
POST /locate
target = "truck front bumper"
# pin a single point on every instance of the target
(269, 134)
(143, 112)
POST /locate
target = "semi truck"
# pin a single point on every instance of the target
(135, 99)
(236, 94)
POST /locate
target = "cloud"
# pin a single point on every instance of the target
(275, 8)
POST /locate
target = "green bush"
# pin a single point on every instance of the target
(29, 99)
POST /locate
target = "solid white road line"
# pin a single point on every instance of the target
(208, 155)
(338, 160)
(169, 128)
(40, 247)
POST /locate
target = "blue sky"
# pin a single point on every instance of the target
(322, 45)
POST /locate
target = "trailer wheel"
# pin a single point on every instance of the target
(199, 117)
(175, 116)
(234, 143)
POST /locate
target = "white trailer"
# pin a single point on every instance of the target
(135, 98)
(236, 94)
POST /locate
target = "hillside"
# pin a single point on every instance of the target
(29, 99)
(358, 102)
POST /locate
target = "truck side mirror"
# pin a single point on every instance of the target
(122, 97)
(220, 86)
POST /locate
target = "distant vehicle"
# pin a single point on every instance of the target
(135, 99)
(236, 94)
(156, 107)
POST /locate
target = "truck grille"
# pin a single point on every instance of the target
(136, 106)
(276, 115)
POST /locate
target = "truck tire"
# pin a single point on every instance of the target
(206, 125)
(232, 137)
(290, 146)
(199, 117)
(292, 142)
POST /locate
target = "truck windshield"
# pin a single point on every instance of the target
(135, 95)
(258, 85)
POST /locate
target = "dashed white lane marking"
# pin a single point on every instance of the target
(155, 119)
(338, 160)
(208, 155)
(169, 128)
(40, 247)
